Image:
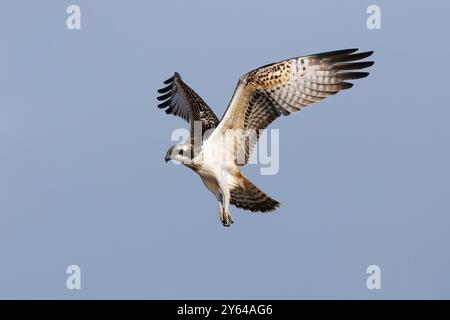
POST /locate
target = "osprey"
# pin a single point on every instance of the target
(217, 149)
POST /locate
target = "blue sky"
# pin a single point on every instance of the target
(363, 179)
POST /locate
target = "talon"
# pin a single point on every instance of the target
(227, 220)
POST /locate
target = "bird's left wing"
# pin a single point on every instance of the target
(262, 95)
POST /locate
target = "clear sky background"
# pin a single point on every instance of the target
(364, 176)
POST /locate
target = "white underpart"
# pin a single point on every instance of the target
(218, 169)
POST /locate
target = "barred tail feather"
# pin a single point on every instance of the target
(248, 197)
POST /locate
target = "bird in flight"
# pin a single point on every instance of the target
(216, 150)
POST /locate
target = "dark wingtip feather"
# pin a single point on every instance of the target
(164, 96)
(335, 53)
(353, 75)
(165, 89)
(350, 57)
(353, 66)
(176, 75)
(170, 80)
(346, 85)
(167, 93)
(164, 104)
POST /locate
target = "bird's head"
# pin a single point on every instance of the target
(180, 153)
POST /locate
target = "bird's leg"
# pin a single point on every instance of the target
(220, 201)
(225, 215)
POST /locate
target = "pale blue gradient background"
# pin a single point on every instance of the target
(364, 176)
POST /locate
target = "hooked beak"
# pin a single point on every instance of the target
(167, 158)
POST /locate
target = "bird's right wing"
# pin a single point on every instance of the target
(262, 95)
(182, 101)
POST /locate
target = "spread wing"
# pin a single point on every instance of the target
(180, 100)
(262, 95)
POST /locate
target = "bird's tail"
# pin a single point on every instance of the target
(247, 196)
